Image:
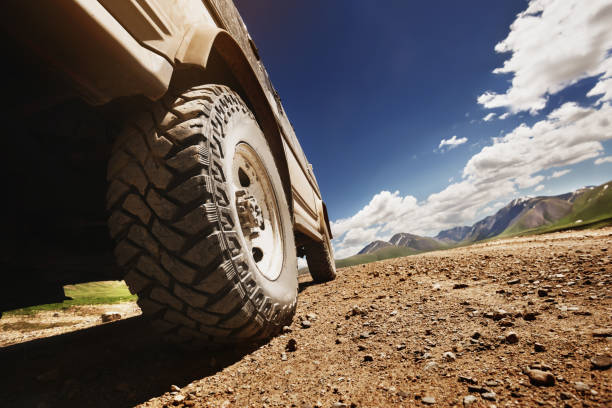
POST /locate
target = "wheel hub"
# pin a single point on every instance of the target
(249, 213)
(257, 211)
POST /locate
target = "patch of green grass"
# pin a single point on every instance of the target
(92, 293)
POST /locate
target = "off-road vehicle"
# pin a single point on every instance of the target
(144, 141)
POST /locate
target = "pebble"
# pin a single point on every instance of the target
(460, 285)
(602, 333)
(306, 324)
(539, 348)
(514, 281)
(110, 317)
(601, 362)
(178, 398)
(489, 396)
(291, 345)
(368, 357)
(541, 378)
(511, 338)
(469, 400)
(542, 293)
(175, 388)
(429, 400)
(581, 387)
(449, 356)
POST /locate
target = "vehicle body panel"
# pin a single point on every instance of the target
(142, 42)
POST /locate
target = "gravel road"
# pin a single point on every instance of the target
(520, 322)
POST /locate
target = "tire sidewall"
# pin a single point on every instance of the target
(241, 128)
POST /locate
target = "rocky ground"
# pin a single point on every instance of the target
(521, 322)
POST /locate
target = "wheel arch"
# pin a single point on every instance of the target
(203, 49)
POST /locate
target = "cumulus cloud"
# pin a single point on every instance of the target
(539, 187)
(554, 44)
(452, 142)
(489, 117)
(559, 173)
(603, 160)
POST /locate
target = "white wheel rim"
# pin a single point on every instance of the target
(258, 212)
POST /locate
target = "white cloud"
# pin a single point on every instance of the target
(559, 173)
(489, 117)
(554, 44)
(603, 160)
(539, 187)
(452, 142)
(504, 115)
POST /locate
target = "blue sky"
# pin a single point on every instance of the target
(372, 89)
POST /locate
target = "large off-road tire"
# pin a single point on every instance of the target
(191, 184)
(320, 259)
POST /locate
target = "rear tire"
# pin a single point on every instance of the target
(185, 248)
(320, 259)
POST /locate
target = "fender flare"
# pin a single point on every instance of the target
(195, 50)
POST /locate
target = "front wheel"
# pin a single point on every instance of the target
(201, 221)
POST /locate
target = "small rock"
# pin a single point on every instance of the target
(468, 380)
(491, 383)
(287, 329)
(110, 317)
(539, 348)
(542, 293)
(514, 281)
(581, 387)
(175, 388)
(436, 286)
(530, 316)
(601, 362)
(489, 396)
(476, 335)
(178, 399)
(566, 395)
(602, 333)
(291, 345)
(283, 356)
(469, 400)
(477, 389)
(364, 335)
(460, 285)
(541, 378)
(312, 317)
(449, 356)
(511, 338)
(56, 314)
(368, 357)
(428, 400)
(400, 347)
(432, 365)
(306, 324)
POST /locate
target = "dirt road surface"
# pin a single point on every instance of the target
(515, 323)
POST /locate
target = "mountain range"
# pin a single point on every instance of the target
(585, 207)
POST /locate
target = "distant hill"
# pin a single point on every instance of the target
(390, 251)
(373, 247)
(583, 208)
(412, 242)
(405, 240)
(456, 234)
